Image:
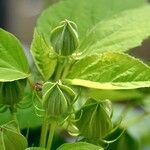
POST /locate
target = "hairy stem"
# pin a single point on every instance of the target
(51, 135)
(68, 66)
(13, 116)
(60, 68)
(44, 132)
(13, 113)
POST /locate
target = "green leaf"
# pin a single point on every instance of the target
(29, 119)
(83, 12)
(79, 146)
(13, 63)
(44, 58)
(120, 33)
(109, 71)
(113, 95)
(10, 138)
(35, 148)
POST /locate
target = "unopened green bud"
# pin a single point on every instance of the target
(57, 100)
(12, 93)
(64, 38)
(95, 119)
(10, 138)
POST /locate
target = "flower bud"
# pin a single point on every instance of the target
(57, 100)
(64, 38)
(12, 93)
(95, 119)
(10, 138)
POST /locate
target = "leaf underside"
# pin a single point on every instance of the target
(109, 71)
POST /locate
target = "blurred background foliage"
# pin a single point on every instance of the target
(19, 17)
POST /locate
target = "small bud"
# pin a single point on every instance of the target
(95, 119)
(12, 93)
(64, 38)
(57, 100)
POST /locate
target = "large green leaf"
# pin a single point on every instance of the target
(109, 71)
(120, 33)
(44, 57)
(79, 146)
(85, 13)
(13, 63)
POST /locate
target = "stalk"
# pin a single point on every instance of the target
(59, 71)
(14, 116)
(13, 113)
(67, 67)
(44, 132)
(61, 65)
(51, 135)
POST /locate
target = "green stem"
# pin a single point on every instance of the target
(67, 67)
(59, 71)
(44, 132)
(14, 117)
(31, 84)
(51, 135)
(61, 64)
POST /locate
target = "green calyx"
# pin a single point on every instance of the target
(10, 138)
(64, 38)
(11, 93)
(57, 101)
(95, 119)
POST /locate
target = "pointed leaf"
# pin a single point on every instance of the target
(13, 63)
(120, 33)
(109, 71)
(79, 146)
(43, 56)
